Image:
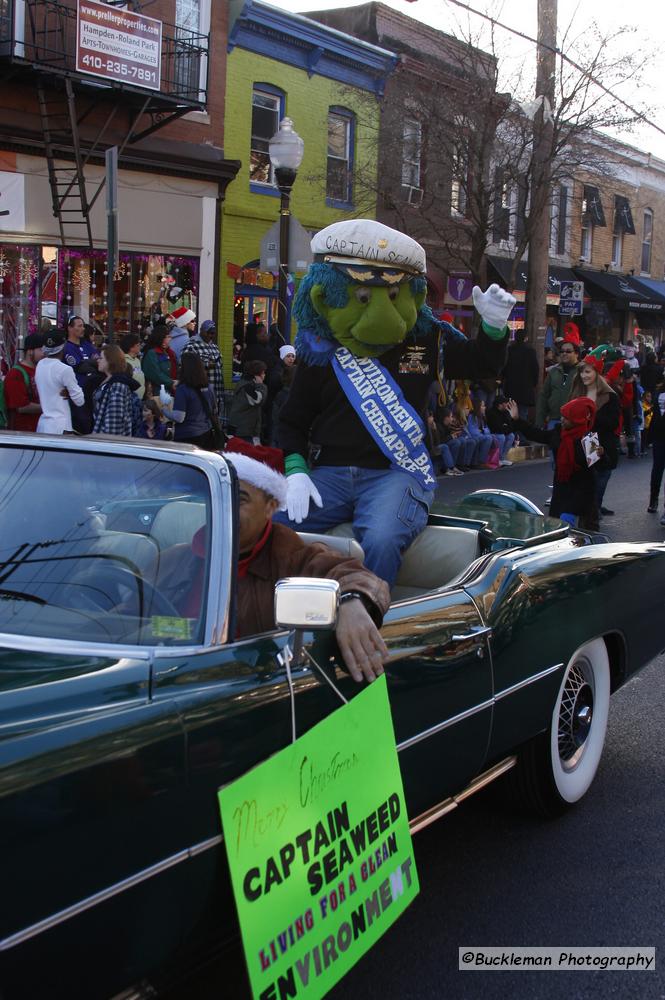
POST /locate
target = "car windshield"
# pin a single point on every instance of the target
(102, 547)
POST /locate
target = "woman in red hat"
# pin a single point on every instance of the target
(589, 382)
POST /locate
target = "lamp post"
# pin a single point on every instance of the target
(286, 150)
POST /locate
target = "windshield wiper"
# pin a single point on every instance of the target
(19, 595)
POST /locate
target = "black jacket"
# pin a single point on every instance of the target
(520, 375)
(319, 412)
(606, 426)
(656, 431)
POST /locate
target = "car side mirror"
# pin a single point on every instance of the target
(303, 602)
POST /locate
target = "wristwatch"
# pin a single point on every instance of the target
(352, 595)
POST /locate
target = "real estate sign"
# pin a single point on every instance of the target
(118, 45)
(320, 851)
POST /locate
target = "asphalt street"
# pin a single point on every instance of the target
(492, 876)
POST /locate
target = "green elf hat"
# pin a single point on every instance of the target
(369, 253)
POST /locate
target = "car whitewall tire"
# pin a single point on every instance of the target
(555, 770)
(579, 721)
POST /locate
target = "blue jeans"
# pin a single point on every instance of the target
(505, 443)
(483, 445)
(388, 509)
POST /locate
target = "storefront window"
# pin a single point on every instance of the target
(46, 283)
(19, 297)
(145, 286)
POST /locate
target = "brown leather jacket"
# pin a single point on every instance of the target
(285, 554)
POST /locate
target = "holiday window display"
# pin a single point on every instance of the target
(19, 298)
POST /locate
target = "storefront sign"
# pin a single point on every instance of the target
(459, 286)
(12, 202)
(119, 45)
(319, 849)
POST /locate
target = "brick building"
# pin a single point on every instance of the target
(151, 84)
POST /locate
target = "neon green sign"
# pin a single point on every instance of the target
(320, 851)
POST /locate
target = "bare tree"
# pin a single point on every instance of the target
(455, 155)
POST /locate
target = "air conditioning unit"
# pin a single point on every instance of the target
(415, 196)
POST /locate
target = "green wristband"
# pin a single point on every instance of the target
(494, 332)
(295, 463)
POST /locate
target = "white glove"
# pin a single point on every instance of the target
(495, 305)
(299, 491)
(164, 397)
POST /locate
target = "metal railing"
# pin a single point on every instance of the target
(46, 37)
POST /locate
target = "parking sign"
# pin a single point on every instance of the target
(571, 298)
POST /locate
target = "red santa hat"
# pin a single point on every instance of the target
(182, 316)
(616, 371)
(593, 362)
(260, 475)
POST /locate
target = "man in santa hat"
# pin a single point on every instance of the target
(270, 552)
(184, 327)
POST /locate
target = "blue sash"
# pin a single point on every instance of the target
(379, 402)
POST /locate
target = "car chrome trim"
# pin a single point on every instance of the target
(480, 707)
(425, 819)
(43, 644)
(527, 680)
(405, 744)
(112, 890)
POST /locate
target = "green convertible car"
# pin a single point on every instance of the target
(125, 702)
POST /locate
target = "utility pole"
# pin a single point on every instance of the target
(543, 130)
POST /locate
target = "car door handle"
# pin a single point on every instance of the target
(476, 635)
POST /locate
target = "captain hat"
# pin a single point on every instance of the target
(369, 252)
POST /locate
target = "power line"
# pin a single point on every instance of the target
(567, 59)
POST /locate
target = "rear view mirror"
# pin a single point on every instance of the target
(303, 602)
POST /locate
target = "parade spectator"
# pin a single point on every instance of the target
(113, 411)
(204, 344)
(194, 411)
(520, 374)
(131, 347)
(589, 383)
(153, 424)
(500, 425)
(574, 492)
(620, 377)
(480, 432)
(647, 414)
(459, 430)
(630, 355)
(21, 395)
(557, 387)
(287, 375)
(79, 352)
(57, 386)
(651, 373)
(657, 441)
(184, 327)
(156, 362)
(248, 401)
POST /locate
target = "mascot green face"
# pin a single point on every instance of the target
(374, 318)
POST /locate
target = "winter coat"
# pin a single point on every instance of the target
(156, 366)
(555, 393)
(578, 494)
(520, 374)
(246, 408)
(112, 406)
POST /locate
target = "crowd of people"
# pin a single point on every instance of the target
(621, 390)
(167, 386)
(170, 386)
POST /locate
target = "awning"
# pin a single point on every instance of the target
(653, 286)
(556, 275)
(624, 291)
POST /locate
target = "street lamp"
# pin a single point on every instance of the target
(286, 150)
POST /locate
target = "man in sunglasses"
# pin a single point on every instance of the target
(557, 386)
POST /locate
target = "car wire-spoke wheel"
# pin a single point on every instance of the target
(579, 721)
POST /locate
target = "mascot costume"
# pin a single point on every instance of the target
(369, 349)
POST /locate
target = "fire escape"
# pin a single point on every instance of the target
(45, 52)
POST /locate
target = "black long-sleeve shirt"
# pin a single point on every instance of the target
(318, 412)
